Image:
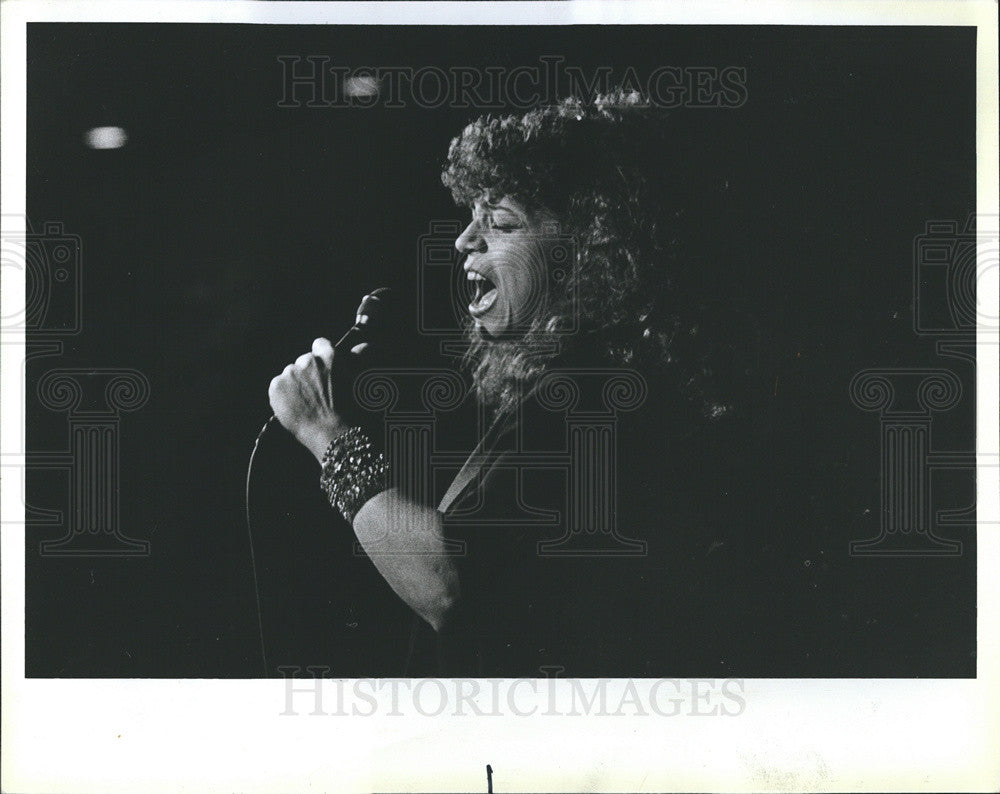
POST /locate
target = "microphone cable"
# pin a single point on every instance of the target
(355, 335)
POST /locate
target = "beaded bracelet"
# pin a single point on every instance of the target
(353, 472)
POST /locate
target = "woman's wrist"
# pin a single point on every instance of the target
(353, 471)
(317, 439)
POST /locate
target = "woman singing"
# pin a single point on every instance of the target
(592, 530)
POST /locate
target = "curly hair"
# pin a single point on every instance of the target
(623, 188)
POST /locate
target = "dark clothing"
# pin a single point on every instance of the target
(747, 570)
(668, 594)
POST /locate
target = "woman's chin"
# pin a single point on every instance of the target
(497, 333)
(497, 326)
(488, 328)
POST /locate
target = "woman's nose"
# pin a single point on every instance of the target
(471, 239)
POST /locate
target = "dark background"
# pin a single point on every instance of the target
(230, 232)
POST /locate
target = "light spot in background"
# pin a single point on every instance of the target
(361, 86)
(105, 138)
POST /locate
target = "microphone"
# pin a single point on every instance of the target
(364, 331)
(357, 338)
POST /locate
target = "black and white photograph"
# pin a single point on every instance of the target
(469, 396)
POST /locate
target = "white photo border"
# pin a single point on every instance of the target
(211, 735)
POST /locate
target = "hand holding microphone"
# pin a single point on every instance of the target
(303, 395)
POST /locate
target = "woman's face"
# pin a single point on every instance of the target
(506, 264)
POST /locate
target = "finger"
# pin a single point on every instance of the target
(304, 360)
(323, 350)
(277, 388)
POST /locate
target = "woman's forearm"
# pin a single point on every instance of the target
(405, 541)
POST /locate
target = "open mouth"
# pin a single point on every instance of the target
(484, 293)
